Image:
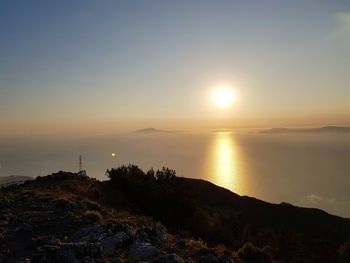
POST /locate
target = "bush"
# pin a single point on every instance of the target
(130, 170)
(135, 172)
(91, 205)
(165, 174)
(93, 216)
(249, 253)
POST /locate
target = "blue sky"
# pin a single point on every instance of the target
(136, 63)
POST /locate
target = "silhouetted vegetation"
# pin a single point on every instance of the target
(150, 192)
(133, 171)
(93, 216)
(249, 253)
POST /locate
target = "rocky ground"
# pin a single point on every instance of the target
(68, 217)
(48, 220)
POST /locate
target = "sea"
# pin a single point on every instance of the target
(309, 170)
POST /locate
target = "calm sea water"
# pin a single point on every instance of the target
(310, 170)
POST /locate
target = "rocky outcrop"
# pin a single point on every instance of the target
(169, 258)
(112, 243)
(143, 251)
(42, 221)
(61, 252)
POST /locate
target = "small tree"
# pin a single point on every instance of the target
(122, 171)
(150, 173)
(165, 174)
(135, 172)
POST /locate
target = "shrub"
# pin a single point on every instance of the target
(249, 253)
(93, 216)
(197, 243)
(165, 174)
(130, 170)
(91, 205)
(134, 171)
(150, 173)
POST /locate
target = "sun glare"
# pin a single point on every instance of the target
(223, 96)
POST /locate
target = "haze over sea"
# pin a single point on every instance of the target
(309, 170)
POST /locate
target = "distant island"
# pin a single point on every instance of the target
(151, 130)
(325, 129)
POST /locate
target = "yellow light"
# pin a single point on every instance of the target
(114, 154)
(223, 96)
(224, 166)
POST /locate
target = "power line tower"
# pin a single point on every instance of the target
(80, 163)
(81, 171)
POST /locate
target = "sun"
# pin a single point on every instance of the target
(223, 96)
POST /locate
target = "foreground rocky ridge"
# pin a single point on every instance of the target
(151, 216)
(53, 219)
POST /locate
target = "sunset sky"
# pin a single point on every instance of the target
(72, 65)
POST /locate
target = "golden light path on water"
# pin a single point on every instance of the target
(225, 163)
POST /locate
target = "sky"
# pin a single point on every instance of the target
(93, 66)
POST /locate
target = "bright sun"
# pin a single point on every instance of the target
(223, 96)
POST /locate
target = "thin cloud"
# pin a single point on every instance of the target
(333, 205)
(344, 20)
(318, 200)
(342, 30)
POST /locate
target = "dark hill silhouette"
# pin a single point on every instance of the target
(222, 217)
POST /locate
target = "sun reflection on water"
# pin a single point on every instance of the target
(224, 163)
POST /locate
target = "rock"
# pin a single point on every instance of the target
(109, 244)
(161, 232)
(25, 227)
(4, 219)
(143, 251)
(53, 242)
(6, 203)
(169, 258)
(90, 234)
(158, 234)
(210, 258)
(142, 235)
(69, 253)
(64, 204)
(129, 230)
(88, 260)
(181, 242)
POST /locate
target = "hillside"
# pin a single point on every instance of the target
(155, 216)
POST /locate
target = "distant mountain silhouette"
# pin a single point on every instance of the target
(151, 130)
(12, 179)
(325, 129)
